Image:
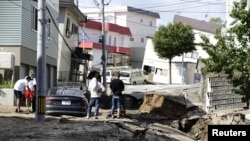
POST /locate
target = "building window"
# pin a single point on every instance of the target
(114, 41)
(160, 71)
(74, 29)
(193, 55)
(68, 33)
(150, 23)
(122, 41)
(131, 39)
(188, 55)
(110, 38)
(142, 40)
(35, 19)
(49, 29)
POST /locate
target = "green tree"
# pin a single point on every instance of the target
(231, 53)
(173, 40)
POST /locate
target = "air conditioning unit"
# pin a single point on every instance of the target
(100, 40)
(68, 33)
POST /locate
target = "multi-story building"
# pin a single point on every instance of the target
(69, 55)
(116, 49)
(141, 23)
(184, 68)
(18, 38)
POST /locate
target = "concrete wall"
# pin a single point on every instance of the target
(7, 97)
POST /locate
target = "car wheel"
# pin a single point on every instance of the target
(145, 82)
(134, 83)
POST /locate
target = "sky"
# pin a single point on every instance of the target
(196, 9)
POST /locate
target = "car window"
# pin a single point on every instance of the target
(54, 91)
(134, 74)
(124, 74)
(69, 92)
(72, 92)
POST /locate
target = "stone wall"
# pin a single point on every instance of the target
(219, 94)
(7, 97)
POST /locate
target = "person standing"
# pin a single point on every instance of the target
(33, 100)
(96, 88)
(19, 88)
(116, 86)
(29, 95)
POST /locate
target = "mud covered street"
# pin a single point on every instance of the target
(164, 115)
(20, 126)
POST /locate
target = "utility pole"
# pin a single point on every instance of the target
(103, 49)
(41, 61)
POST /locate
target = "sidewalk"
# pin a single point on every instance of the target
(7, 110)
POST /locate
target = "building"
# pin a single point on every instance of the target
(18, 39)
(116, 49)
(141, 23)
(70, 57)
(184, 68)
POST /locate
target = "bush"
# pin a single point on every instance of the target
(6, 84)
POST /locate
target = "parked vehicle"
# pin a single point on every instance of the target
(110, 72)
(133, 77)
(66, 101)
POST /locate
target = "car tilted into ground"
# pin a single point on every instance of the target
(66, 101)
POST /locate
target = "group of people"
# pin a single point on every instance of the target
(96, 89)
(26, 87)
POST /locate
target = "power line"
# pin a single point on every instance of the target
(61, 33)
(64, 40)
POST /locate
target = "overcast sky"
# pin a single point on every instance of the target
(197, 9)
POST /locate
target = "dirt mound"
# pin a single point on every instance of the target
(159, 105)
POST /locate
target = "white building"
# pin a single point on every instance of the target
(184, 67)
(117, 50)
(142, 24)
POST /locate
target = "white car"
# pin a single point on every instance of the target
(133, 77)
(109, 75)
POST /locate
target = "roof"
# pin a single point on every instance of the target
(71, 4)
(108, 27)
(122, 9)
(144, 12)
(197, 24)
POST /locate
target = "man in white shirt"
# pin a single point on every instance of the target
(19, 88)
(96, 88)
